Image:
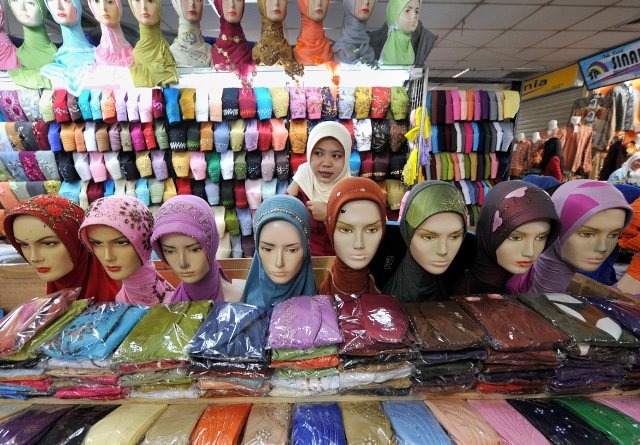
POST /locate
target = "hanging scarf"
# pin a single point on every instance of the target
(189, 47)
(8, 59)
(64, 218)
(576, 202)
(113, 48)
(153, 63)
(260, 289)
(232, 42)
(411, 283)
(133, 219)
(313, 47)
(342, 279)
(353, 45)
(75, 59)
(36, 50)
(273, 48)
(509, 205)
(398, 49)
(304, 177)
(191, 216)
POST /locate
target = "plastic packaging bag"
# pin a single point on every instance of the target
(126, 425)
(317, 424)
(413, 423)
(220, 424)
(31, 424)
(270, 420)
(174, 426)
(366, 422)
(71, 428)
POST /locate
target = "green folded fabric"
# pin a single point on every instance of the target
(285, 373)
(303, 354)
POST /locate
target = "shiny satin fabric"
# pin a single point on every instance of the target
(71, 428)
(125, 426)
(366, 423)
(220, 425)
(174, 426)
(463, 423)
(31, 424)
(268, 424)
(629, 405)
(625, 313)
(558, 424)
(510, 325)
(317, 424)
(414, 424)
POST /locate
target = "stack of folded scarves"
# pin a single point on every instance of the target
(228, 355)
(601, 348)
(304, 338)
(377, 345)
(79, 355)
(153, 360)
(452, 347)
(522, 355)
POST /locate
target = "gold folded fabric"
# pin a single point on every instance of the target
(67, 136)
(124, 426)
(12, 134)
(366, 423)
(463, 423)
(206, 136)
(175, 425)
(221, 425)
(78, 137)
(268, 424)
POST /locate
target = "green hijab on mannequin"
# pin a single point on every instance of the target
(397, 49)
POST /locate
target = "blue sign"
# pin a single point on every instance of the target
(612, 66)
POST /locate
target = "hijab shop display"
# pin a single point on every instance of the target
(231, 51)
(154, 64)
(185, 237)
(592, 216)
(44, 230)
(76, 57)
(118, 229)
(433, 224)
(356, 216)
(114, 50)
(8, 58)
(402, 20)
(189, 47)
(353, 46)
(36, 49)
(312, 46)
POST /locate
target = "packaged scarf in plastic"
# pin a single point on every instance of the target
(174, 426)
(366, 421)
(268, 424)
(628, 405)
(627, 313)
(125, 426)
(71, 428)
(462, 422)
(413, 423)
(284, 387)
(31, 424)
(220, 424)
(317, 424)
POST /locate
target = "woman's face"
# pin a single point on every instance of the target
(436, 242)
(364, 8)
(358, 233)
(192, 10)
(27, 12)
(63, 12)
(185, 256)
(106, 12)
(276, 10)
(146, 11)
(114, 251)
(588, 247)
(523, 246)
(327, 160)
(42, 248)
(232, 10)
(281, 251)
(318, 9)
(408, 18)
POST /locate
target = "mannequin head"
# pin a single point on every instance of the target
(517, 253)
(588, 246)
(552, 125)
(327, 160)
(190, 10)
(318, 10)
(42, 248)
(185, 256)
(232, 10)
(575, 120)
(276, 10)
(63, 12)
(364, 9)
(114, 251)
(107, 12)
(407, 20)
(27, 12)
(436, 241)
(358, 232)
(281, 251)
(147, 12)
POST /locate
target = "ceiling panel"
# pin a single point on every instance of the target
(521, 39)
(564, 38)
(498, 17)
(605, 39)
(444, 14)
(470, 37)
(557, 17)
(609, 17)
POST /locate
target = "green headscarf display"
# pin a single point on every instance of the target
(398, 49)
(35, 52)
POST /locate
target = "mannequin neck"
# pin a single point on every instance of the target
(575, 120)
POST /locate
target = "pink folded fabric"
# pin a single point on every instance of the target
(628, 405)
(512, 427)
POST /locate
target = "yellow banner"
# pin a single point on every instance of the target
(554, 81)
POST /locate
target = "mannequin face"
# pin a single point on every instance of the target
(436, 242)
(42, 248)
(63, 12)
(192, 10)
(276, 10)
(232, 10)
(114, 251)
(185, 256)
(106, 12)
(146, 11)
(318, 9)
(327, 160)
(358, 233)
(27, 12)
(517, 253)
(408, 18)
(364, 8)
(593, 242)
(281, 251)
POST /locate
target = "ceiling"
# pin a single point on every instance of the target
(492, 38)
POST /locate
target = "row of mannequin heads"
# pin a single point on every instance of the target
(551, 127)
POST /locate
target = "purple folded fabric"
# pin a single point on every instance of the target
(304, 322)
(30, 425)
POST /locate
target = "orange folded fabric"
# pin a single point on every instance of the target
(327, 361)
(221, 425)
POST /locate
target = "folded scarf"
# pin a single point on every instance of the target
(220, 424)
(317, 424)
(124, 426)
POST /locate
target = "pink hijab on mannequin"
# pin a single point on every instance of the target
(113, 48)
(8, 58)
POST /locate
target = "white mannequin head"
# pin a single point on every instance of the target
(364, 9)
(575, 120)
(408, 19)
(318, 10)
(553, 124)
(63, 12)
(276, 10)
(535, 137)
(27, 12)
